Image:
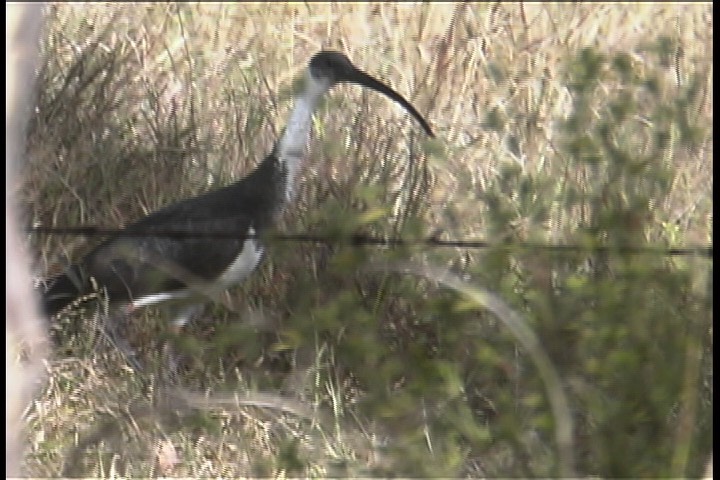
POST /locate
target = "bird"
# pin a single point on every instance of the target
(143, 265)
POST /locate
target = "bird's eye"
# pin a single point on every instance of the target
(327, 64)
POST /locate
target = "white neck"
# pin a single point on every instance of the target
(293, 143)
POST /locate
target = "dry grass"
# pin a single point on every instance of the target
(148, 104)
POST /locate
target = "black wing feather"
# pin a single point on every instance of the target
(130, 267)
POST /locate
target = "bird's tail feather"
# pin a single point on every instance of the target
(64, 289)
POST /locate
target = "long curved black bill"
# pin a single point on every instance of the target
(359, 77)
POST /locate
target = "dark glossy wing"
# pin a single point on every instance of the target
(134, 267)
(155, 261)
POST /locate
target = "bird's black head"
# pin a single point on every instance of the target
(335, 67)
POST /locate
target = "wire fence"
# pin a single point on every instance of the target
(364, 239)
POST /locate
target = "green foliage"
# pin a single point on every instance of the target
(622, 327)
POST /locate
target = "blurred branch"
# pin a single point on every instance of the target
(530, 342)
(25, 346)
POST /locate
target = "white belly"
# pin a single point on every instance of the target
(235, 273)
(244, 264)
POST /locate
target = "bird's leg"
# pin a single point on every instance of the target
(113, 326)
(180, 317)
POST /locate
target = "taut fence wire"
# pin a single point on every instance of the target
(364, 239)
